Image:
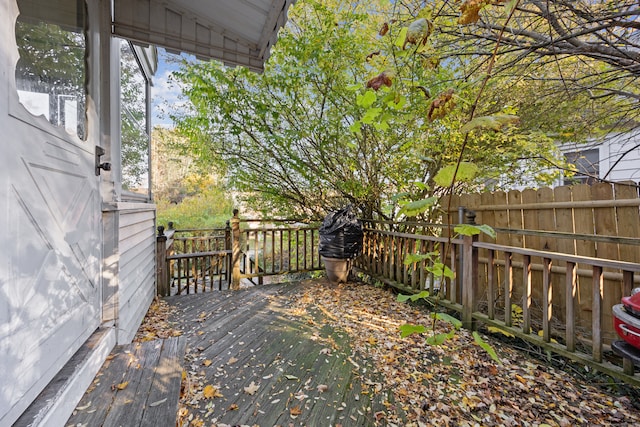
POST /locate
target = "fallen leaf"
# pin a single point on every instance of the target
(209, 392)
(232, 360)
(295, 411)
(291, 377)
(82, 408)
(123, 385)
(322, 388)
(300, 395)
(159, 402)
(233, 407)
(207, 362)
(251, 388)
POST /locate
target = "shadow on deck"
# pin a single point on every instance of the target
(250, 359)
(253, 361)
(293, 355)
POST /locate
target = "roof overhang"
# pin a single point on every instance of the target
(237, 32)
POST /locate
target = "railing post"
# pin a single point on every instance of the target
(469, 275)
(162, 278)
(228, 247)
(235, 251)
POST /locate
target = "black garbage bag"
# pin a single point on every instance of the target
(341, 235)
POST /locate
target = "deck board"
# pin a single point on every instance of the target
(139, 385)
(266, 361)
(250, 337)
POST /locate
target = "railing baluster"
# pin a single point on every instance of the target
(491, 284)
(297, 249)
(304, 248)
(508, 287)
(455, 282)
(281, 266)
(547, 307)
(526, 303)
(571, 289)
(179, 262)
(596, 312)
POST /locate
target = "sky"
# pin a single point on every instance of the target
(164, 91)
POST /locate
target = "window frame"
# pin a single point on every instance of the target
(126, 195)
(19, 111)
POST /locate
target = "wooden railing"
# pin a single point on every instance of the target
(555, 300)
(276, 247)
(484, 289)
(192, 261)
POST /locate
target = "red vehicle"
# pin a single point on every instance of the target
(626, 319)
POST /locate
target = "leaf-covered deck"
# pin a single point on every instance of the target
(314, 354)
(319, 355)
(254, 359)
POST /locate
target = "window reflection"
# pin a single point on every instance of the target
(134, 134)
(50, 74)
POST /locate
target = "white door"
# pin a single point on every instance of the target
(50, 255)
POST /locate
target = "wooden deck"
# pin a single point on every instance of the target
(139, 385)
(249, 360)
(265, 365)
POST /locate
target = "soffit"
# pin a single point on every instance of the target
(237, 32)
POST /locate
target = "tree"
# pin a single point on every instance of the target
(343, 114)
(585, 55)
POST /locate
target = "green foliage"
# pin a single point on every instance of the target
(473, 230)
(493, 122)
(408, 329)
(417, 207)
(347, 113)
(440, 338)
(448, 318)
(462, 172)
(486, 347)
(414, 297)
(208, 208)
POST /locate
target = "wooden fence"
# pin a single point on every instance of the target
(597, 221)
(484, 288)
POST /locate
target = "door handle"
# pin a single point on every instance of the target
(101, 165)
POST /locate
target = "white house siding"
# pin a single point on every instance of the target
(625, 168)
(136, 273)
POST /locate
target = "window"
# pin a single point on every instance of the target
(133, 121)
(51, 70)
(587, 164)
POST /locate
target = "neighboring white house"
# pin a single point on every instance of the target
(613, 158)
(77, 269)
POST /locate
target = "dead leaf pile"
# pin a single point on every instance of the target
(156, 324)
(456, 383)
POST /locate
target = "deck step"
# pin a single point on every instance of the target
(57, 401)
(139, 385)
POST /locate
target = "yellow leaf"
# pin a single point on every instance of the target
(232, 360)
(372, 340)
(541, 334)
(207, 362)
(209, 392)
(495, 330)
